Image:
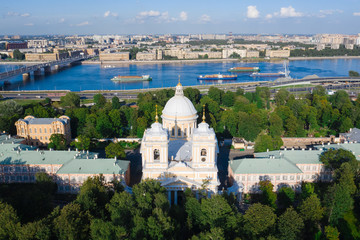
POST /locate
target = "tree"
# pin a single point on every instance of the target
(57, 142)
(268, 197)
(281, 97)
(193, 94)
(9, 222)
(10, 108)
(285, 197)
(45, 183)
(346, 124)
(99, 100)
(311, 210)
(331, 233)
(353, 74)
(258, 220)
(276, 125)
(101, 230)
(70, 100)
(290, 225)
(38, 230)
(82, 143)
(94, 196)
(334, 158)
(18, 55)
(104, 125)
(72, 223)
(229, 99)
(307, 189)
(115, 150)
(216, 94)
(121, 209)
(115, 103)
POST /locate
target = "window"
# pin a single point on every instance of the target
(292, 177)
(156, 155)
(40, 138)
(24, 169)
(278, 178)
(314, 168)
(173, 132)
(58, 130)
(34, 130)
(17, 169)
(45, 138)
(39, 130)
(179, 132)
(203, 159)
(307, 168)
(203, 152)
(30, 130)
(243, 178)
(44, 130)
(49, 130)
(185, 132)
(22, 130)
(298, 177)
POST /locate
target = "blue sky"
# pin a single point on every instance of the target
(186, 16)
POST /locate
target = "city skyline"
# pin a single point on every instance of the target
(161, 17)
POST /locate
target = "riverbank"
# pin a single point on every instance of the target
(322, 58)
(19, 63)
(160, 61)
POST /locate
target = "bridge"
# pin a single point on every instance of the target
(36, 68)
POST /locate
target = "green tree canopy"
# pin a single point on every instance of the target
(334, 158)
(70, 100)
(99, 100)
(290, 225)
(57, 142)
(259, 220)
(115, 150)
(9, 222)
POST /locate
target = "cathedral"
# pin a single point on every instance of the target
(180, 153)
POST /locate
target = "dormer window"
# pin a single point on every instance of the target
(156, 155)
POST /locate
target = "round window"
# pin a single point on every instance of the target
(203, 159)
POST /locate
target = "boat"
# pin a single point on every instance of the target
(131, 78)
(217, 77)
(244, 69)
(278, 74)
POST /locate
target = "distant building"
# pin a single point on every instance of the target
(226, 53)
(335, 46)
(15, 45)
(38, 43)
(277, 53)
(352, 136)
(252, 54)
(349, 46)
(146, 56)
(119, 56)
(37, 131)
(45, 56)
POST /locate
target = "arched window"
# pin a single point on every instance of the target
(156, 154)
(185, 132)
(173, 132)
(203, 152)
(179, 132)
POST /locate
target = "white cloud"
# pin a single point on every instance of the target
(356, 13)
(16, 14)
(62, 20)
(108, 13)
(205, 18)
(324, 12)
(289, 12)
(183, 16)
(268, 16)
(252, 12)
(29, 24)
(82, 24)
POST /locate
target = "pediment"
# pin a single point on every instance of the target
(184, 181)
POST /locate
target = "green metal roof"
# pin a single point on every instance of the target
(294, 156)
(263, 166)
(94, 166)
(36, 157)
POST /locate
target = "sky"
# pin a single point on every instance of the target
(37, 17)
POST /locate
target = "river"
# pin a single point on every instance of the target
(97, 77)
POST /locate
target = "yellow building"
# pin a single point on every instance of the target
(37, 131)
(277, 53)
(119, 56)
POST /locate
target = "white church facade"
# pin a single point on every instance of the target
(179, 153)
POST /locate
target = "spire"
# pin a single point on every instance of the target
(179, 89)
(203, 117)
(156, 116)
(179, 84)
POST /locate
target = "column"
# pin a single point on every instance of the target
(175, 196)
(169, 197)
